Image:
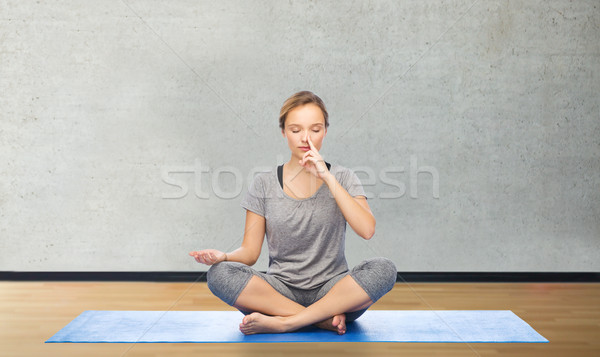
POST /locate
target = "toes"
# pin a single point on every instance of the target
(246, 330)
(342, 325)
(338, 319)
(248, 318)
(248, 325)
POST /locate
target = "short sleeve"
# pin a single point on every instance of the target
(353, 185)
(254, 200)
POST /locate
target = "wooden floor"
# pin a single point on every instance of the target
(566, 314)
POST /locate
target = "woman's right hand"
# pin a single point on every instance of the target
(208, 256)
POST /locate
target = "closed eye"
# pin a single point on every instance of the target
(297, 131)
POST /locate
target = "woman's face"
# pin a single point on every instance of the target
(301, 122)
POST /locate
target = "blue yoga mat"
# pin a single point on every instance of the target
(222, 327)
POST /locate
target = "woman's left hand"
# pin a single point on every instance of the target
(313, 162)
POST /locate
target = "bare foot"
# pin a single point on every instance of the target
(336, 324)
(259, 323)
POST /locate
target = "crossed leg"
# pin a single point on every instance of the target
(286, 315)
(258, 295)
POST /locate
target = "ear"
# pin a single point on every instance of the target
(283, 133)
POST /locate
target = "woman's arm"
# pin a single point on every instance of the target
(254, 235)
(356, 210)
(248, 253)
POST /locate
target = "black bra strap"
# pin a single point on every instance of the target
(280, 175)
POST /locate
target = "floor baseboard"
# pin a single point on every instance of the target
(410, 277)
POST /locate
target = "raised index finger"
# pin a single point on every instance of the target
(312, 147)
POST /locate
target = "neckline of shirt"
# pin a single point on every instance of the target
(302, 199)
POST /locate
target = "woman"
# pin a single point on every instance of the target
(303, 207)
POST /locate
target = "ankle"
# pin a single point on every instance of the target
(287, 324)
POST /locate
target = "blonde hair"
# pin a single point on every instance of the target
(300, 99)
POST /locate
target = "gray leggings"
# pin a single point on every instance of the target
(376, 276)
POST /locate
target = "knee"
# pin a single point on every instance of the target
(376, 276)
(226, 279)
(218, 276)
(387, 269)
(213, 273)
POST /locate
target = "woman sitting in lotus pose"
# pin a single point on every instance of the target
(302, 206)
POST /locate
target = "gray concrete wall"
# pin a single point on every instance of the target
(129, 128)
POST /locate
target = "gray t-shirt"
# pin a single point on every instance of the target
(306, 238)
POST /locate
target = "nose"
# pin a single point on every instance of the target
(305, 137)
